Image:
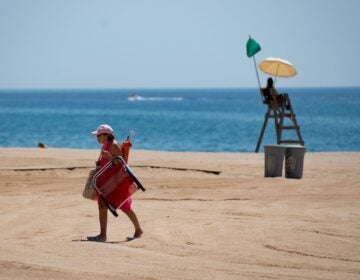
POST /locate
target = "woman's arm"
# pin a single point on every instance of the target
(115, 150)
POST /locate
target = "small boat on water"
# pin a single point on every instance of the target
(135, 97)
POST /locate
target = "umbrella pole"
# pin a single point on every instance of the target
(277, 72)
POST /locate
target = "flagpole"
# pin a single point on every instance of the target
(257, 73)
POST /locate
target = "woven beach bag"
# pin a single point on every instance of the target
(89, 191)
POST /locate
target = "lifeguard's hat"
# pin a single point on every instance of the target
(104, 128)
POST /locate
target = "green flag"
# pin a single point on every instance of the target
(252, 47)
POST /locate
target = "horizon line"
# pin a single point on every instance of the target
(163, 88)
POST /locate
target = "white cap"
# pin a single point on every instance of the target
(104, 128)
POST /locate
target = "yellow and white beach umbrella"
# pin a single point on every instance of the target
(277, 67)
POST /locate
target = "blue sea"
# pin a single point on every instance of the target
(212, 120)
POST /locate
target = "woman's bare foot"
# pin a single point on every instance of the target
(96, 238)
(138, 233)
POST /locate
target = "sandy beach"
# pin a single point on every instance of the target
(204, 215)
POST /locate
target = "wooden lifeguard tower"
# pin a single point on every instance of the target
(281, 110)
(279, 105)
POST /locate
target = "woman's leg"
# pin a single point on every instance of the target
(103, 211)
(103, 223)
(133, 218)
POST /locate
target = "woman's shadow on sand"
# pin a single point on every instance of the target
(128, 239)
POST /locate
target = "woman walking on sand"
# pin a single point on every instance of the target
(110, 149)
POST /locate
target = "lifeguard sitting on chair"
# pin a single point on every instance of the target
(272, 97)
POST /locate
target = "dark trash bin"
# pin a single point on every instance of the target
(274, 159)
(294, 161)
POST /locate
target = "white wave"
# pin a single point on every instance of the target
(141, 98)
